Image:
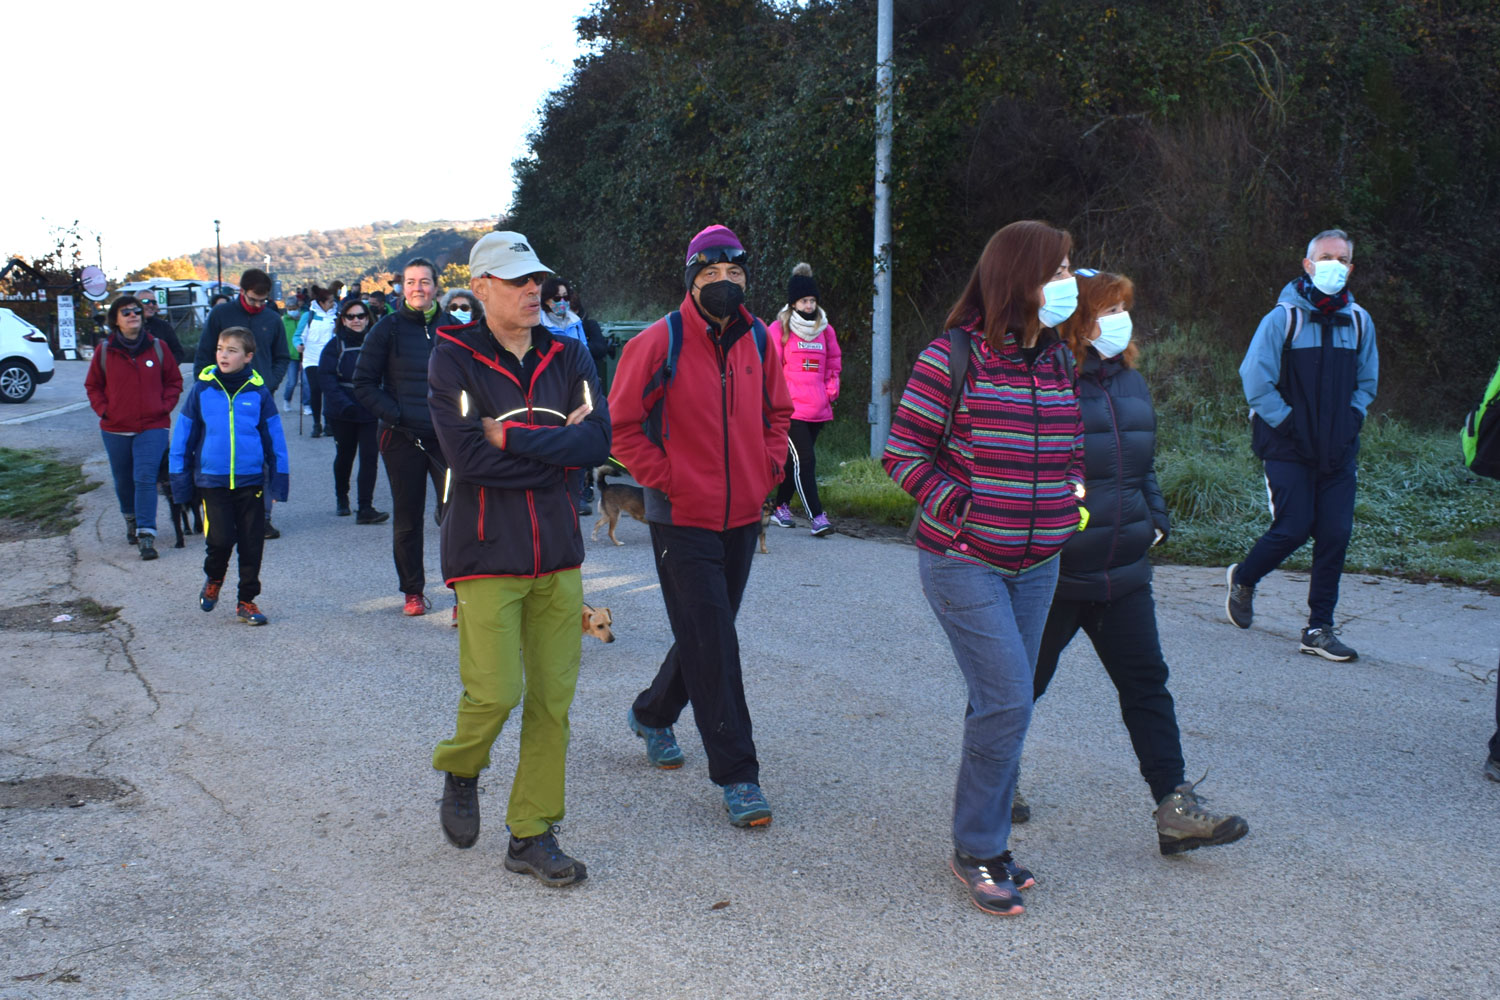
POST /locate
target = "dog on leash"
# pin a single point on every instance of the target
(180, 525)
(597, 622)
(616, 499)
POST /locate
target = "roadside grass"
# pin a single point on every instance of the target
(39, 493)
(1418, 512)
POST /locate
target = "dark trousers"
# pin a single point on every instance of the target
(703, 575)
(1495, 740)
(1123, 632)
(234, 519)
(315, 399)
(409, 463)
(801, 467)
(1306, 504)
(349, 437)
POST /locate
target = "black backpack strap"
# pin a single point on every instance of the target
(958, 371)
(654, 392)
(674, 345)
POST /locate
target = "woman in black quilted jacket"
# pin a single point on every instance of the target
(1105, 583)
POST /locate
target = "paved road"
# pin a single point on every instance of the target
(276, 831)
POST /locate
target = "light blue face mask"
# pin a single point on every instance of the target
(1114, 334)
(1329, 276)
(461, 313)
(1059, 301)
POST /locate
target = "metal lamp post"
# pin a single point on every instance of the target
(219, 255)
(880, 346)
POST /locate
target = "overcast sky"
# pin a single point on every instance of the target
(325, 113)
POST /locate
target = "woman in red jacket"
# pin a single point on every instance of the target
(133, 383)
(810, 360)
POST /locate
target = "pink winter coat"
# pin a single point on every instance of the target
(812, 371)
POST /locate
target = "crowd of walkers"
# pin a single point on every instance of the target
(1025, 434)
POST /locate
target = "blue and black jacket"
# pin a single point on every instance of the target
(507, 512)
(1309, 394)
(228, 436)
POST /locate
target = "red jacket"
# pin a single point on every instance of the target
(725, 423)
(133, 393)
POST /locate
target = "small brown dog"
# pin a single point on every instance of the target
(615, 500)
(597, 622)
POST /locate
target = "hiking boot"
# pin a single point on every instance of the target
(249, 613)
(342, 507)
(208, 597)
(585, 508)
(1322, 642)
(130, 535)
(369, 515)
(1020, 812)
(746, 804)
(540, 856)
(1239, 605)
(271, 530)
(1182, 824)
(821, 527)
(1492, 769)
(661, 746)
(989, 883)
(782, 516)
(147, 543)
(459, 812)
(416, 604)
(317, 431)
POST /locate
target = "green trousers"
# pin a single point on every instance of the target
(518, 637)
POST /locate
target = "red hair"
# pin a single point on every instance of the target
(1004, 292)
(1096, 293)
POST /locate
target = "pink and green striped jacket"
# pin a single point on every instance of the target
(1014, 455)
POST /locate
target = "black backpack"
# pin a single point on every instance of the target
(1480, 435)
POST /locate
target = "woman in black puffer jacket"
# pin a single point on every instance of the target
(350, 424)
(1105, 582)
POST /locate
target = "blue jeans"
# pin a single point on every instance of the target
(134, 461)
(296, 376)
(994, 624)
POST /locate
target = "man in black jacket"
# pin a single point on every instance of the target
(253, 310)
(391, 382)
(514, 408)
(159, 327)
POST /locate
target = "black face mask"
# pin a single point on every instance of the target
(721, 298)
(808, 315)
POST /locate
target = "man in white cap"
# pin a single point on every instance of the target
(514, 407)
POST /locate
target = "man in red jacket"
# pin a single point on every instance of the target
(706, 434)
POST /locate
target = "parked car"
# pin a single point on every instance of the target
(25, 358)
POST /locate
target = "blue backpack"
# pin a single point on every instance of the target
(654, 395)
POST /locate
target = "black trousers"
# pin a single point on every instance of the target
(234, 519)
(1123, 632)
(1495, 740)
(801, 467)
(315, 398)
(703, 575)
(410, 461)
(1306, 503)
(349, 437)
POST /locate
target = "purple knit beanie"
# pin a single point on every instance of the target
(712, 238)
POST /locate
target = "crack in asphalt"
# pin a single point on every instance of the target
(124, 641)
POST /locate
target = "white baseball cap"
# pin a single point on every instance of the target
(504, 255)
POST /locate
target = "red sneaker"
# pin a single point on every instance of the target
(416, 604)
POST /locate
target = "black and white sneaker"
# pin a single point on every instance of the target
(1239, 603)
(1324, 642)
(459, 812)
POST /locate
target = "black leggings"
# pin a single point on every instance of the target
(801, 467)
(350, 436)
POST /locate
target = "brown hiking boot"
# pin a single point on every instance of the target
(1182, 824)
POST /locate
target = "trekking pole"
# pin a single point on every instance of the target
(301, 395)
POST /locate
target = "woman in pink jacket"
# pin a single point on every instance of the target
(811, 361)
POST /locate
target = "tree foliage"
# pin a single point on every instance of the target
(1193, 147)
(177, 269)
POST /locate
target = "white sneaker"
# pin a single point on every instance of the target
(307, 411)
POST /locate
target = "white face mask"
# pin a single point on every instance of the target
(1059, 300)
(1114, 334)
(461, 314)
(1329, 276)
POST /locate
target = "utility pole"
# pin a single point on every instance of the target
(880, 340)
(218, 255)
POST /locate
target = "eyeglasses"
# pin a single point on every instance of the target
(718, 255)
(521, 282)
(562, 298)
(349, 317)
(130, 311)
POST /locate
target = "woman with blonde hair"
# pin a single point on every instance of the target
(1105, 583)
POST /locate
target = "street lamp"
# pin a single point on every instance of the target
(219, 255)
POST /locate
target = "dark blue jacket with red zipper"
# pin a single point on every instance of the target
(507, 511)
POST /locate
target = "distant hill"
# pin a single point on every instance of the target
(349, 254)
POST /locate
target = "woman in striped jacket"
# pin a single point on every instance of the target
(997, 498)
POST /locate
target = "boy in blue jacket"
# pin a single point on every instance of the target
(228, 443)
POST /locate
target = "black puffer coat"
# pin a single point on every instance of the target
(1108, 559)
(391, 378)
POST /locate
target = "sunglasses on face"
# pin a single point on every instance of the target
(717, 255)
(562, 298)
(524, 280)
(350, 317)
(130, 311)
